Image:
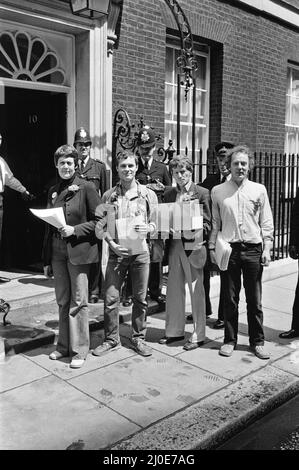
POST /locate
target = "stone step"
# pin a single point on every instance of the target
(32, 326)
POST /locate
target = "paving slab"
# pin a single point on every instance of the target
(50, 414)
(241, 363)
(17, 370)
(214, 419)
(287, 282)
(61, 368)
(30, 289)
(274, 323)
(277, 298)
(290, 362)
(147, 389)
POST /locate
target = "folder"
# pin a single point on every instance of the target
(222, 252)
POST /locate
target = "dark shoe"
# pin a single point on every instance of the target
(218, 324)
(127, 302)
(105, 347)
(93, 299)
(173, 339)
(161, 299)
(189, 346)
(289, 334)
(141, 347)
(260, 352)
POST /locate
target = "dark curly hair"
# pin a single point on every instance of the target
(66, 151)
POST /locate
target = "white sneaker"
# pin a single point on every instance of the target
(77, 362)
(260, 352)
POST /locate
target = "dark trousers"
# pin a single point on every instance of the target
(155, 279)
(154, 282)
(295, 318)
(206, 283)
(95, 276)
(245, 258)
(117, 269)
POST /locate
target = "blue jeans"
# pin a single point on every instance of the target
(71, 290)
(245, 258)
(114, 278)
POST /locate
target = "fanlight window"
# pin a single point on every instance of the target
(23, 57)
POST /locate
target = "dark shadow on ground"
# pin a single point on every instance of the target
(38, 282)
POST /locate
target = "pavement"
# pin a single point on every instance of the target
(172, 400)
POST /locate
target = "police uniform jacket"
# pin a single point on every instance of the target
(158, 170)
(79, 208)
(95, 172)
(211, 181)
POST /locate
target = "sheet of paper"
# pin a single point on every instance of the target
(179, 216)
(53, 216)
(128, 237)
(164, 216)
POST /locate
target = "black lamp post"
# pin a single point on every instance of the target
(92, 9)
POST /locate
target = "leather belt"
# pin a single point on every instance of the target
(243, 246)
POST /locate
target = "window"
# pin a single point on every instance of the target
(292, 111)
(202, 105)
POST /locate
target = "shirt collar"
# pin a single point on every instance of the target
(244, 182)
(85, 161)
(150, 161)
(186, 188)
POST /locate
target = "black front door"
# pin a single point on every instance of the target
(33, 125)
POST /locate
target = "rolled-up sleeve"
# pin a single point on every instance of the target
(266, 219)
(216, 220)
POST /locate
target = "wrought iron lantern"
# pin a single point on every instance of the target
(92, 9)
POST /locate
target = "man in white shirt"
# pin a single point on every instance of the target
(241, 209)
(7, 179)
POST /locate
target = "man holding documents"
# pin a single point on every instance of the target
(187, 256)
(241, 211)
(126, 218)
(70, 248)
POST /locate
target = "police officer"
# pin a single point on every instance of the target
(89, 168)
(222, 174)
(94, 171)
(154, 174)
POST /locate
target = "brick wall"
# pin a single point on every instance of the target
(249, 56)
(139, 63)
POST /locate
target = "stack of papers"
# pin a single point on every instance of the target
(53, 216)
(134, 241)
(179, 216)
(222, 252)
